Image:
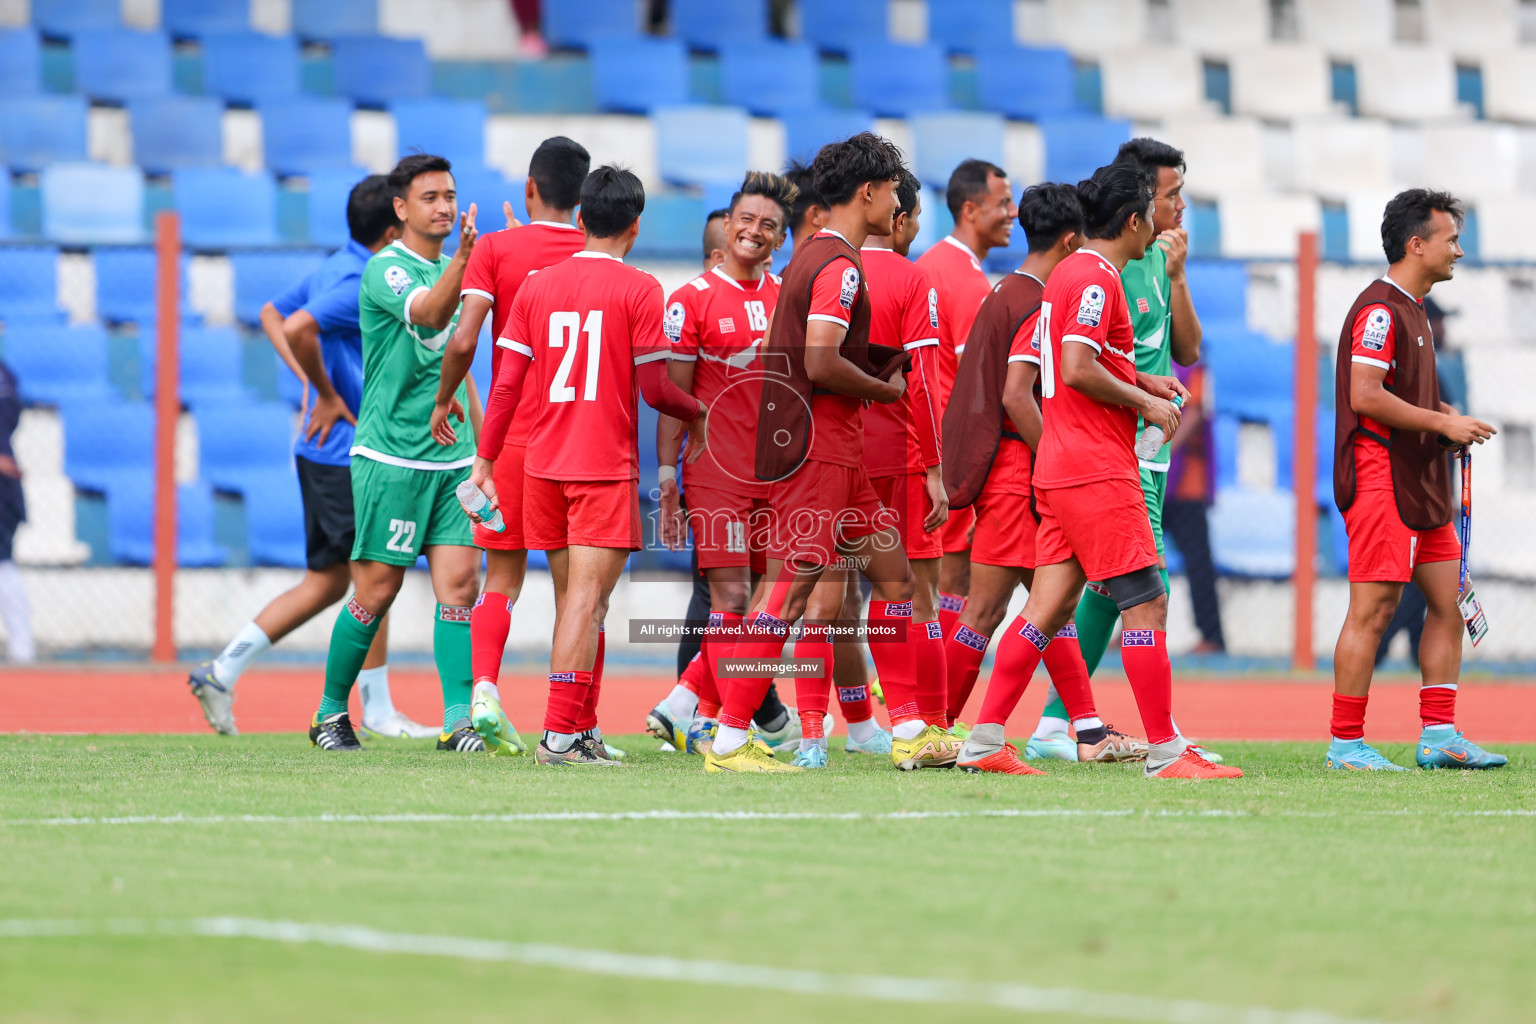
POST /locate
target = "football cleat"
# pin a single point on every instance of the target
(581, 754)
(1208, 754)
(665, 726)
(494, 728)
(879, 743)
(334, 734)
(1004, 761)
(1056, 746)
(788, 736)
(1115, 746)
(1354, 755)
(877, 691)
(218, 700)
(931, 748)
(701, 735)
(748, 758)
(1190, 765)
(397, 727)
(1456, 752)
(960, 731)
(814, 756)
(462, 739)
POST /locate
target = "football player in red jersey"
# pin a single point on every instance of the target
(584, 335)
(497, 269)
(981, 201)
(1087, 489)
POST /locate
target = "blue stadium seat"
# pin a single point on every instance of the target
(1025, 82)
(177, 131)
(92, 203)
(710, 24)
(1075, 147)
(768, 77)
(487, 188)
(105, 442)
(1220, 291)
(274, 520)
(125, 282)
(451, 128)
(327, 20)
(671, 226)
(1255, 378)
(59, 365)
(131, 520)
(899, 79)
(21, 62)
(698, 145)
(806, 131)
(942, 141)
(197, 18)
(328, 192)
(378, 70)
(36, 131)
(307, 134)
(6, 231)
(240, 446)
(1225, 432)
(122, 64)
(249, 67)
(841, 26)
(636, 75)
(28, 283)
(66, 17)
(262, 274)
(222, 207)
(289, 388)
(966, 26)
(580, 23)
(1284, 432)
(645, 433)
(1253, 533)
(210, 366)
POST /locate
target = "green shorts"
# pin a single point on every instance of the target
(1154, 486)
(400, 511)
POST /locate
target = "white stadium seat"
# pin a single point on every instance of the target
(1499, 384)
(1506, 229)
(1472, 159)
(1480, 301)
(1345, 26)
(48, 535)
(1224, 154)
(1471, 27)
(463, 30)
(1090, 27)
(1509, 84)
(1364, 209)
(1406, 83)
(1152, 81)
(1281, 82)
(1023, 153)
(374, 140)
(1265, 225)
(1336, 156)
(510, 140)
(1221, 26)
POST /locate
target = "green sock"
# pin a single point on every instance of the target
(1167, 587)
(350, 639)
(1096, 617)
(450, 649)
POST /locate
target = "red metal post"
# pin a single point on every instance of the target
(167, 409)
(1304, 471)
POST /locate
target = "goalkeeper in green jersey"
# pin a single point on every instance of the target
(1167, 330)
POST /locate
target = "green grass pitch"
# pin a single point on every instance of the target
(1382, 898)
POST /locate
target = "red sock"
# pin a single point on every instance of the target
(850, 677)
(950, 607)
(1348, 717)
(1064, 661)
(890, 645)
(1018, 655)
(813, 693)
(1437, 705)
(720, 638)
(963, 652)
(764, 638)
(567, 696)
(689, 680)
(932, 678)
(588, 719)
(1144, 654)
(489, 623)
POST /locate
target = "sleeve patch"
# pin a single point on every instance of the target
(1091, 307)
(397, 279)
(933, 308)
(672, 323)
(1378, 324)
(850, 290)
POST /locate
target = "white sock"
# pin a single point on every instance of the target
(1050, 726)
(373, 687)
(908, 730)
(683, 702)
(486, 688)
(248, 645)
(862, 732)
(728, 738)
(17, 613)
(807, 744)
(559, 742)
(1085, 723)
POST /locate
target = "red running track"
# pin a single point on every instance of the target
(153, 700)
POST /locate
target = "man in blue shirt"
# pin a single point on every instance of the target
(320, 312)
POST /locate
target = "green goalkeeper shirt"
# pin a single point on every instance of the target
(402, 362)
(1147, 293)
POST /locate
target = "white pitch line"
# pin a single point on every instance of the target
(1000, 995)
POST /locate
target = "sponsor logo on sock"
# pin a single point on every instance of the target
(951, 603)
(1069, 631)
(770, 624)
(716, 620)
(452, 613)
(1029, 631)
(935, 631)
(1138, 638)
(852, 694)
(562, 677)
(479, 600)
(360, 613)
(510, 603)
(972, 639)
(898, 611)
(1099, 588)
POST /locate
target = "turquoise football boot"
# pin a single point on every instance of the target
(1455, 751)
(879, 743)
(1356, 756)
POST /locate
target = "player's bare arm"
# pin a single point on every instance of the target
(1081, 371)
(1185, 323)
(476, 409)
(1019, 401)
(826, 367)
(458, 354)
(272, 325)
(434, 308)
(302, 333)
(1368, 396)
(669, 445)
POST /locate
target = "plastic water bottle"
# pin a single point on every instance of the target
(1151, 438)
(473, 500)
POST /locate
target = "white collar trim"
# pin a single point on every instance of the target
(1032, 277)
(397, 244)
(1100, 257)
(589, 254)
(1399, 287)
(952, 240)
(553, 224)
(839, 234)
(719, 271)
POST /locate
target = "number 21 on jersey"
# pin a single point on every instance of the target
(564, 330)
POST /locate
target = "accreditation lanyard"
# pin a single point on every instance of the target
(1466, 597)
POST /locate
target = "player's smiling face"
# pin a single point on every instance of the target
(754, 229)
(997, 212)
(1441, 245)
(1168, 212)
(431, 205)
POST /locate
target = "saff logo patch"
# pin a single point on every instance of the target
(1090, 309)
(1378, 323)
(933, 308)
(672, 323)
(850, 289)
(397, 279)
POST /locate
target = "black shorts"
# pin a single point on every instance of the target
(328, 523)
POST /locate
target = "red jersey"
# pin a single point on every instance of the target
(1085, 440)
(902, 437)
(586, 323)
(498, 265)
(1025, 348)
(962, 285)
(1374, 344)
(718, 323)
(837, 422)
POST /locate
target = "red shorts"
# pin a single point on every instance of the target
(819, 506)
(1005, 530)
(1103, 525)
(592, 513)
(507, 475)
(957, 529)
(1382, 549)
(729, 528)
(906, 495)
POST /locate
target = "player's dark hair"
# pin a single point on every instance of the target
(1047, 211)
(799, 176)
(714, 215)
(371, 210)
(771, 186)
(907, 188)
(1112, 195)
(1151, 154)
(558, 168)
(412, 167)
(841, 167)
(612, 199)
(968, 183)
(1408, 214)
